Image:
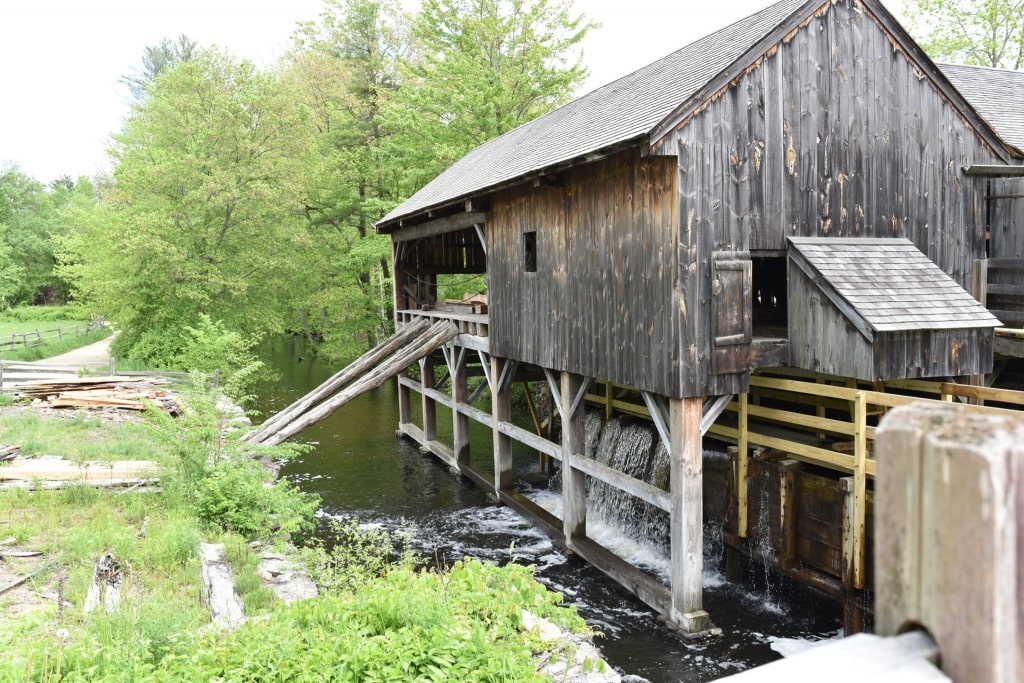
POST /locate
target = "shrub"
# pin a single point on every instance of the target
(210, 347)
(218, 478)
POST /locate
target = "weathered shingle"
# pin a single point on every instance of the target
(891, 284)
(996, 94)
(620, 111)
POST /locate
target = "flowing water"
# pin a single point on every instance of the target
(362, 470)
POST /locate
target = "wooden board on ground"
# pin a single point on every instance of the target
(28, 469)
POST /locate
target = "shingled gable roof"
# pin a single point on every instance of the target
(630, 109)
(996, 94)
(623, 110)
(888, 284)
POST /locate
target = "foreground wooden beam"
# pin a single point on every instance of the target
(949, 536)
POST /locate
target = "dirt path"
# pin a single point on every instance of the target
(98, 352)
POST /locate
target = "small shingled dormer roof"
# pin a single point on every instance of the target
(996, 94)
(887, 285)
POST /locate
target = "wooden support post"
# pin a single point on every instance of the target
(687, 515)
(787, 511)
(428, 404)
(743, 448)
(949, 537)
(860, 483)
(404, 401)
(460, 396)
(501, 410)
(574, 481)
(609, 400)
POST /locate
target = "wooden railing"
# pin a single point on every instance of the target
(825, 421)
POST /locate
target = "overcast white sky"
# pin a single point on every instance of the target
(61, 60)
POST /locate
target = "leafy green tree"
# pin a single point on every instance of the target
(346, 65)
(975, 32)
(30, 222)
(203, 216)
(156, 59)
(483, 67)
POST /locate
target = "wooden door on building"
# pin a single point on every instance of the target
(731, 323)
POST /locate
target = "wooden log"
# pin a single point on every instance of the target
(105, 589)
(14, 583)
(339, 380)
(436, 336)
(949, 536)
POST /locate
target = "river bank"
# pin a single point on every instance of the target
(148, 542)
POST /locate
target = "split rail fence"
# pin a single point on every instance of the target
(30, 338)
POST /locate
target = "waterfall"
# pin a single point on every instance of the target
(619, 520)
(628, 448)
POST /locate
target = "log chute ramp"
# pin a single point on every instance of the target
(367, 372)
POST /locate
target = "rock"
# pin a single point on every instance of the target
(573, 658)
(286, 577)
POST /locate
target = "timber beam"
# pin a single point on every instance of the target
(439, 226)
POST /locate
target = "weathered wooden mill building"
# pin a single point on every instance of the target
(804, 188)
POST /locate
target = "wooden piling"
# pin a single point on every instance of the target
(460, 396)
(687, 540)
(574, 481)
(501, 410)
(428, 406)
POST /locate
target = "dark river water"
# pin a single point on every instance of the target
(362, 470)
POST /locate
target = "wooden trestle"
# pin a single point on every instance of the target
(680, 423)
(790, 412)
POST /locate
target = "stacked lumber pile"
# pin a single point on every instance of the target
(125, 393)
(9, 452)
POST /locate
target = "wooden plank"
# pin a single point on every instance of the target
(338, 380)
(501, 409)
(537, 443)
(440, 334)
(743, 449)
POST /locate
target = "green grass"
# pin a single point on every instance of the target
(81, 438)
(46, 320)
(54, 348)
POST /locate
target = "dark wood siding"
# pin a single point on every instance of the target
(1006, 217)
(836, 134)
(833, 134)
(600, 303)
